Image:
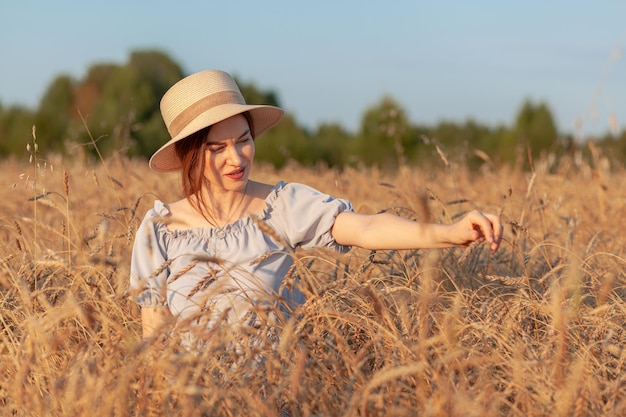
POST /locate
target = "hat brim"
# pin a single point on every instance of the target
(263, 118)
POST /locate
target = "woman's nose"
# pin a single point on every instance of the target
(234, 155)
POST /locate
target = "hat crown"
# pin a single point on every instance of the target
(196, 94)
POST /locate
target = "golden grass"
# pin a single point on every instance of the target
(535, 330)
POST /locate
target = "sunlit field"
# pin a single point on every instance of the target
(536, 329)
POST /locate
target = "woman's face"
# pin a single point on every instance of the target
(229, 154)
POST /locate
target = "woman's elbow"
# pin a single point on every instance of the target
(350, 229)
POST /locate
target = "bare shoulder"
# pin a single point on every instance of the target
(179, 208)
(259, 190)
(183, 216)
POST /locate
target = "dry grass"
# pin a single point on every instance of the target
(534, 330)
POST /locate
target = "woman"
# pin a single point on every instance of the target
(227, 245)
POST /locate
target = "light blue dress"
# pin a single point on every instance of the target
(203, 274)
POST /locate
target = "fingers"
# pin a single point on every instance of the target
(496, 227)
(490, 227)
(498, 231)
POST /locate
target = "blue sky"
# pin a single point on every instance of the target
(330, 60)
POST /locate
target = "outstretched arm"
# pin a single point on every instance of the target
(387, 231)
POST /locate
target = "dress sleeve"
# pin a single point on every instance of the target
(305, 216)
(148, 266)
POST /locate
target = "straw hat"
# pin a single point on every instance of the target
(201, 100)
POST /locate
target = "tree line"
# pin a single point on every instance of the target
(116, 107)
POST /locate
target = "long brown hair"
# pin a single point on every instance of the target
(191, 152)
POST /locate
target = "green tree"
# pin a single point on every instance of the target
(123, 102)
(384, 134)
(86, 114)
(53, 116)
(330, 144)
(253, 95)
(284, 143)
(614, 146)
(157, 69)
(535, 128)
(16, 125)
(159, 72)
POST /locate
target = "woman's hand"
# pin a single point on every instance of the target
(476, 225)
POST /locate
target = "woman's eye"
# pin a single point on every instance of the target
(215, 149)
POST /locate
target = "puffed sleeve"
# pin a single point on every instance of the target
(148, 266)
(305, 216)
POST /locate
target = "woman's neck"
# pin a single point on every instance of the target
(224, 207)
(186, 215)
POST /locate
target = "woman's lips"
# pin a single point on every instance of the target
(237, 174)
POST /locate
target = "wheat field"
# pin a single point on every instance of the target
(536, 329)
